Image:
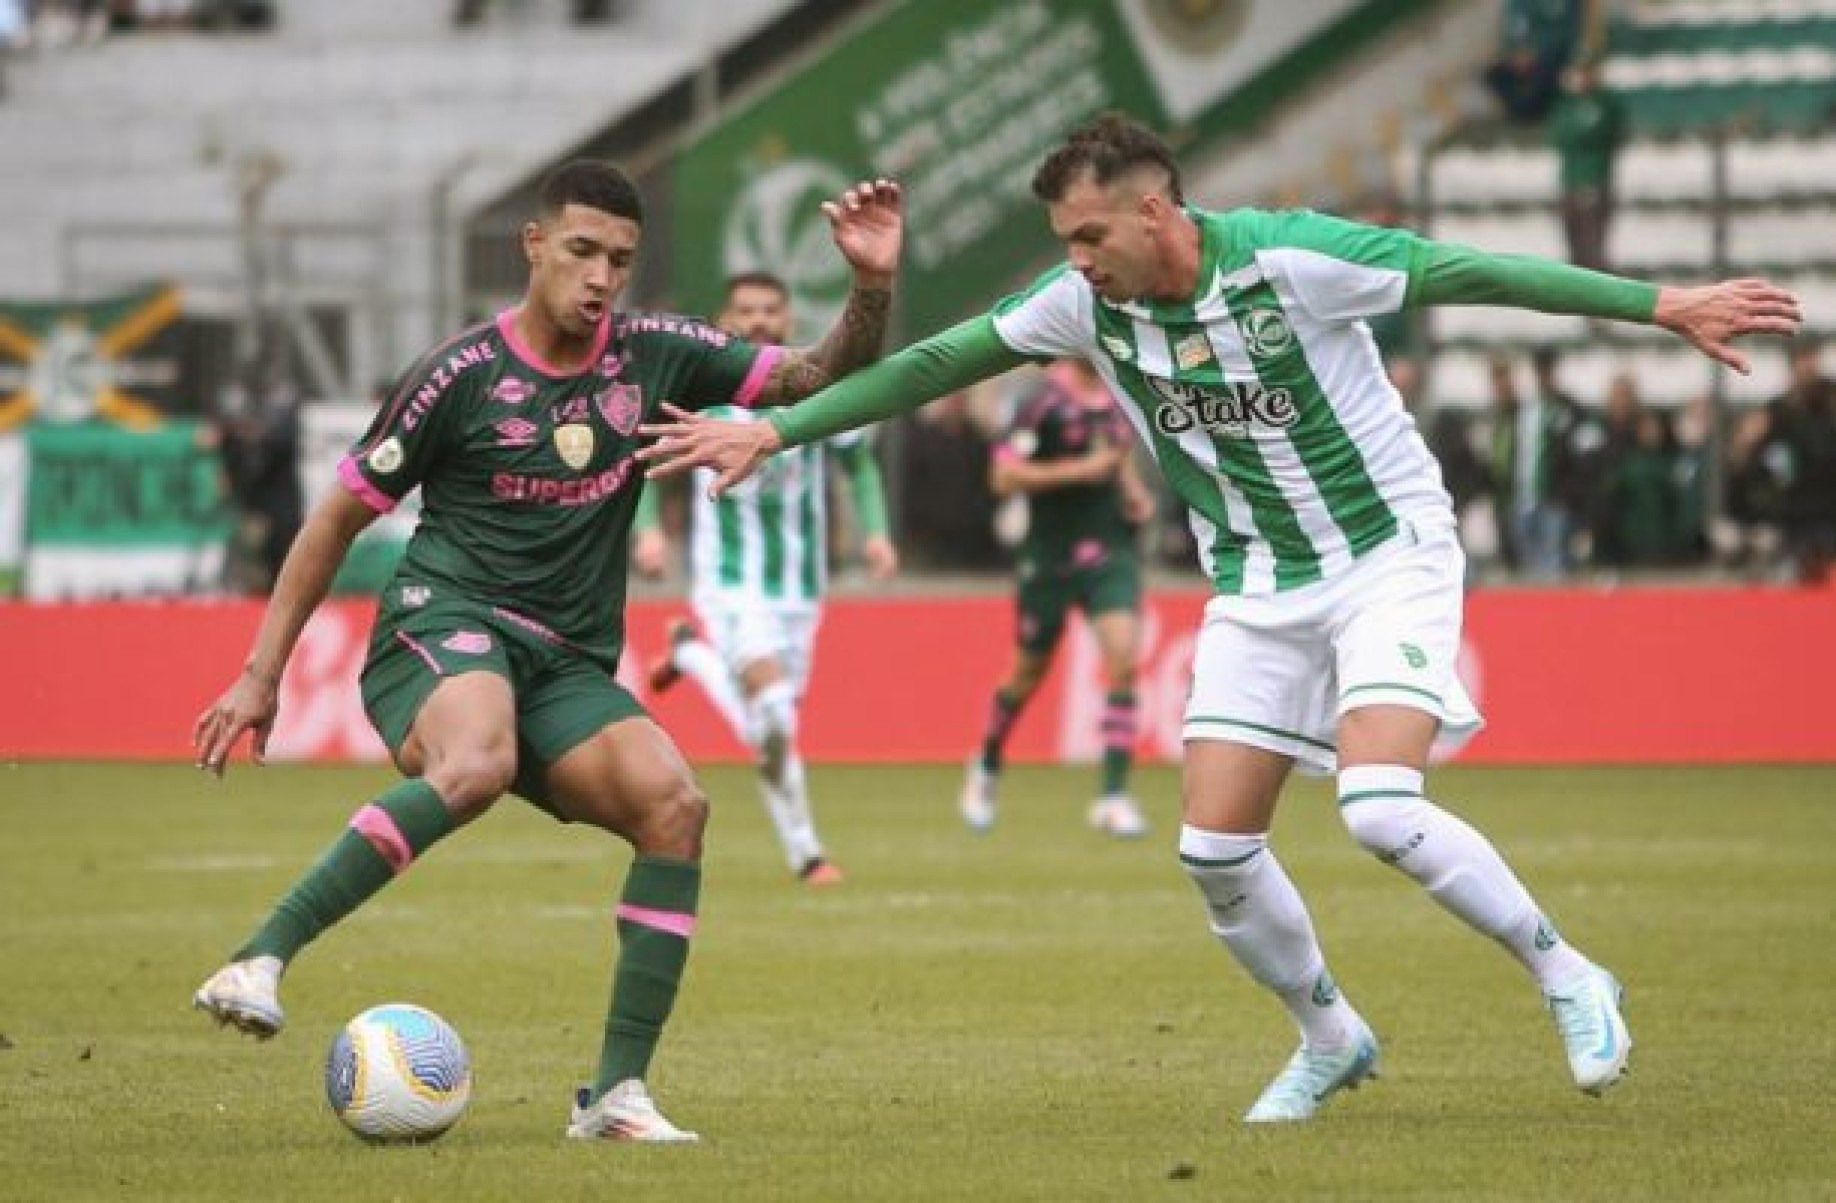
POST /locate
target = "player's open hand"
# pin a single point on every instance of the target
(881, 557)
(731, 450)
(868, 222)
(1137, 502)
(1712, 316)
(248, 705)
(650, 554)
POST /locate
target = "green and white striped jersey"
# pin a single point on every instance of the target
(1262, 396)
(766, 537)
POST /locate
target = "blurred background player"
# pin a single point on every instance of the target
(491, 663)
(1069, 452)
(759, 562)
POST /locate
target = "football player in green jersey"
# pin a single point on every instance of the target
(1239, 342)
(1068, 450)
(759, 566)
(491, 663)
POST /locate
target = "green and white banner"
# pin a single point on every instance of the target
(111, 512)
(959, 100)
(12, 511)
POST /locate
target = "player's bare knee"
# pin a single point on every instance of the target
(673, 825)
(470, 781)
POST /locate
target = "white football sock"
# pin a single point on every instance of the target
(696, 659)
(1384, 809)
(1258, 914)
(788, 804)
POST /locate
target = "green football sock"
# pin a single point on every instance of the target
(1003, 712)
(382, 840)
(1118, 740)
(656, 917)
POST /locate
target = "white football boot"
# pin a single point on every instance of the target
(1117, 815)
(977, 801)
(245, 995)
(624, 1112)
(1311, 1077)
(1587, 1015)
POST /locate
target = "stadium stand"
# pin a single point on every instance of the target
(346, 129)
(1750, 83)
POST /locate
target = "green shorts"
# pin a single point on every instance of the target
(562, 697)
(1048, 591)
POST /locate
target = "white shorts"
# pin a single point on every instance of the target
(1278, 672)
(745, 629)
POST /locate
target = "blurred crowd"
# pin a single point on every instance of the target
(50, 24)
(1547, 484)
(469, 13)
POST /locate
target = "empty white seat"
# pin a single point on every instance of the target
(1663, 170)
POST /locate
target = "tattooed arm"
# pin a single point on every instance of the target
(853, 344)
(868, 229)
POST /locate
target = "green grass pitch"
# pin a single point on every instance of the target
(1036, 1014)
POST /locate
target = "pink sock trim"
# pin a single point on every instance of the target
(676, 923)
(374, 824)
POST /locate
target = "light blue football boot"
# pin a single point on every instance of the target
(1311, 1077)
(1587, 1015)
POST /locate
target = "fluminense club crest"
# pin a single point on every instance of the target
(621, 405)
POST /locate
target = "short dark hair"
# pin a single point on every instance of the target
(758, 278)
(595, 184)
(1109, 146)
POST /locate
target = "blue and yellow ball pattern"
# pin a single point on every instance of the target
(398, 1073)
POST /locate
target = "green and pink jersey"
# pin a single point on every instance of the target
(527, 475)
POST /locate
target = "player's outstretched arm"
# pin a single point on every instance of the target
(869, 229)
(250, 703)
(1709, 317)
(923, 372)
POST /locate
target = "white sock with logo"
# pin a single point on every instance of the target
(1257, 913)
(787, 801)
(1384, 809)
(700, 662)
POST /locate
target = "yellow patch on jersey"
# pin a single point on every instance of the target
(575, 443)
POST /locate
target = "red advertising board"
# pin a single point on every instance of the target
(1563, 676)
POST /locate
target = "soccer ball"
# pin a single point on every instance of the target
(398, 1074)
